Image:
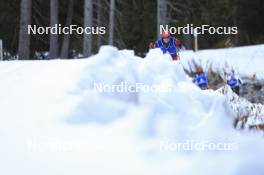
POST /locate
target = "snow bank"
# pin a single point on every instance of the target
(246, 61)
(54, 121)
(247, 114)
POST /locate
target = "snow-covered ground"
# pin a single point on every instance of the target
(54, 121)
(248, 115)
(246, 61)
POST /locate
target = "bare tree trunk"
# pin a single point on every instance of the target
(24, 37)
(235, 23)
(111, 22)
(54, 48)
(88, 17)
(66, 38)
(99, 22)
(161, 14)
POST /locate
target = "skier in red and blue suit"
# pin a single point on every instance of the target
(168, 44)
(200, 78)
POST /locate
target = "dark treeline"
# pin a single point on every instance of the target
(130, 24)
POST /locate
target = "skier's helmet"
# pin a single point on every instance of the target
(199, 69)
(165, 34)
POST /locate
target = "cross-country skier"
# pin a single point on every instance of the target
(234, 83)
(200, 78)
(168, 44)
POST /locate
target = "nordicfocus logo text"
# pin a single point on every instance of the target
(204, 29)
(58, 29)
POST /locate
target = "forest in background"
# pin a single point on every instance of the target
(130, 24)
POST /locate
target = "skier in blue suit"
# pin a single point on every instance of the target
(168, 44)
(200, 78)
(234, 83)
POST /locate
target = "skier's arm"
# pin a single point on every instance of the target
(176, 57)
(152, 46)
(178, 43)
(194, 79)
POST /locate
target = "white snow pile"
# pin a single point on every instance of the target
(75, 117)
(247, 61)
(247, 114)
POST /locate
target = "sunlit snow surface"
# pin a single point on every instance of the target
(246, 61)
(53, 121)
